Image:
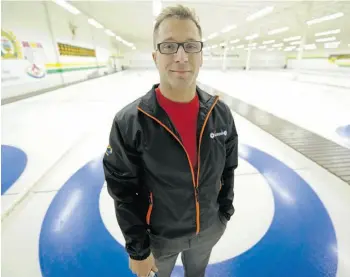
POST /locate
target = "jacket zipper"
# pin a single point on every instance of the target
(195, 184)
(199, 161)
(150, 207)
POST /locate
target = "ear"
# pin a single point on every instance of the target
(154, 56)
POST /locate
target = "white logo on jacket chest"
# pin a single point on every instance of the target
(213, 135)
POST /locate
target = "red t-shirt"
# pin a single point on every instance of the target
(184, 117)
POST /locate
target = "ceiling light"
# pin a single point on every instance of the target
(295, 42)
(67, 6)
(279, 30)
(128, 43)
(232, 48)
(252, 37)
(292, 38)
(213, 35)
(268, 41)
(260, 13)
(94, 23)
(110, 33)
(324, 18)
(325, 39)
(289, 48)
(326, 33)
(334, 44)
(277, 45)
(228, 28)
(234, 41)
(252, 44)
(240, 46)
(124, 41)
(214, 46)
(310, 46)
(223, 44)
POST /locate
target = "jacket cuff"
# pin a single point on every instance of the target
(142, 257)
(227, 215)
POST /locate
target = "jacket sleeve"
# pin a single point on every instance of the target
(226, 194)
(121, 165)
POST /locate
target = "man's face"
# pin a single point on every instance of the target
(179, 70)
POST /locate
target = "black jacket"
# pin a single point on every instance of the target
(150, 176)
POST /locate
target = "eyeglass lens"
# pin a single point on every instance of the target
(172, 47)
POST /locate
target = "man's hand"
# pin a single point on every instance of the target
(142, 268)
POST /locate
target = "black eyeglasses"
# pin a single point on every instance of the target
(172, 47)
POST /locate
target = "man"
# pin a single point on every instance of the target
(171, 159)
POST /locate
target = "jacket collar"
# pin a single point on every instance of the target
(150, 104)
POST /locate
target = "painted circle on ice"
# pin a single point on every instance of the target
(13, 163)
(252, 219)
(300, 240)
(344, 133)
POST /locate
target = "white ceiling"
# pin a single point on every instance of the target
(133, 20)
